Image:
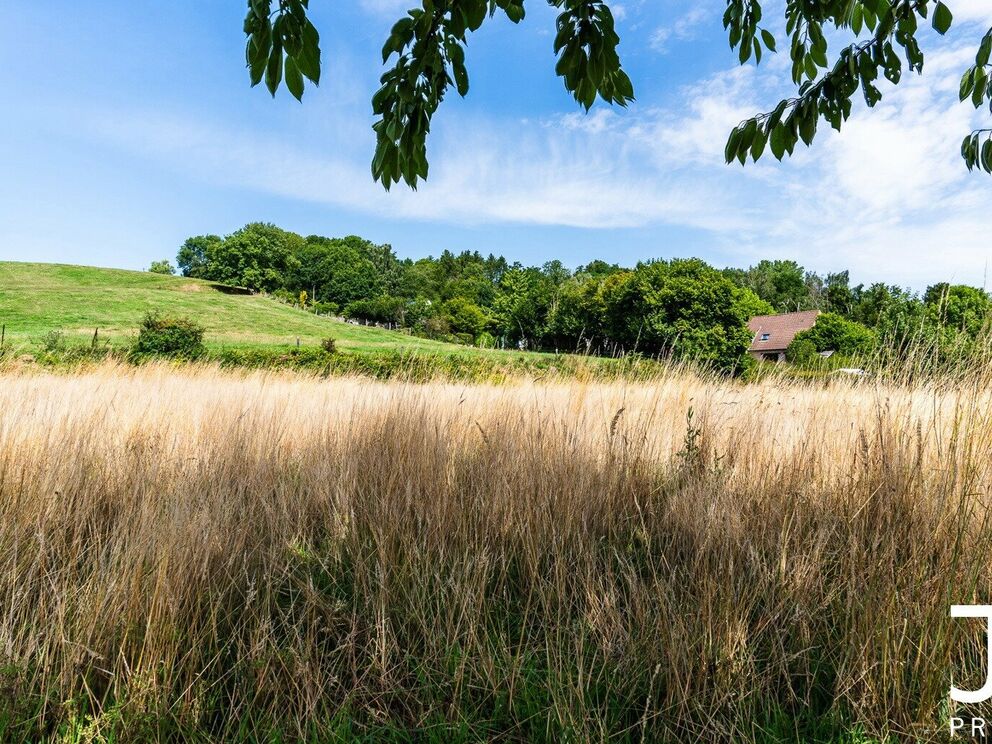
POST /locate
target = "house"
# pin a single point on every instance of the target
(774, 333)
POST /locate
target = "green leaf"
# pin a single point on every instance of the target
(768, 38)
(942, 18)
(777, 141)
(978, 93)
(758, 144)
(747, 137)
(477, 14)
(309, 59)
(257, 58)
(807, 127)
(461, 76)
(745, 51)
(257, 51)
(984, 51)
(730, 151)
(273, 70)
(515, 12)
(857, 19)
(294, 79)
(966, 150)
(625, 88)
(967, 84)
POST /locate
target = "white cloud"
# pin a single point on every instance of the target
(971, 10)
(597, 121)
(682, 29)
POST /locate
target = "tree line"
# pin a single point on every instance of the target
(683, 308)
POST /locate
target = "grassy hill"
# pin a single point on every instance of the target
(37, 298)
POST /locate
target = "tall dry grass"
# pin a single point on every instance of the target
(203, 555)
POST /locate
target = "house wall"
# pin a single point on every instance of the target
(774, 355)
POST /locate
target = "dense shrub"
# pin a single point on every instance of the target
(303, 358)
(467, 319)
(801, 351)
(162, 267)
(833, 332)
(74, 357)
(284, 295)
(382, 309)
(170, 336)
(53, 341)
(326, 308)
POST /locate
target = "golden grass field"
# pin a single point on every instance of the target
(190, 554)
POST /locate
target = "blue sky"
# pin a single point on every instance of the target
(129, 126)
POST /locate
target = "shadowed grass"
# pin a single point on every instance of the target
(259, 557)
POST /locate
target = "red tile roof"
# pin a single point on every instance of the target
(781, 329)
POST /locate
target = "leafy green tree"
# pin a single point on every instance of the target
(259, 256)
(577, 318)
(555, 273)
(426, 50)
(683, 308)
(956, 317)
(162, 267)
(838, 296)
(753, 305)
(897, 316)
(599, 268)
(388, 268)
(521, 305)
(194, 255)
(871, 305)
(785, 285)
(958, 307)
(834, 332)
(468, 274)
(339, 270)
(566, 318)
(419, 312)
(419, 279)
(465, 317)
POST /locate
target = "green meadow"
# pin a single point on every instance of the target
(37, 298)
